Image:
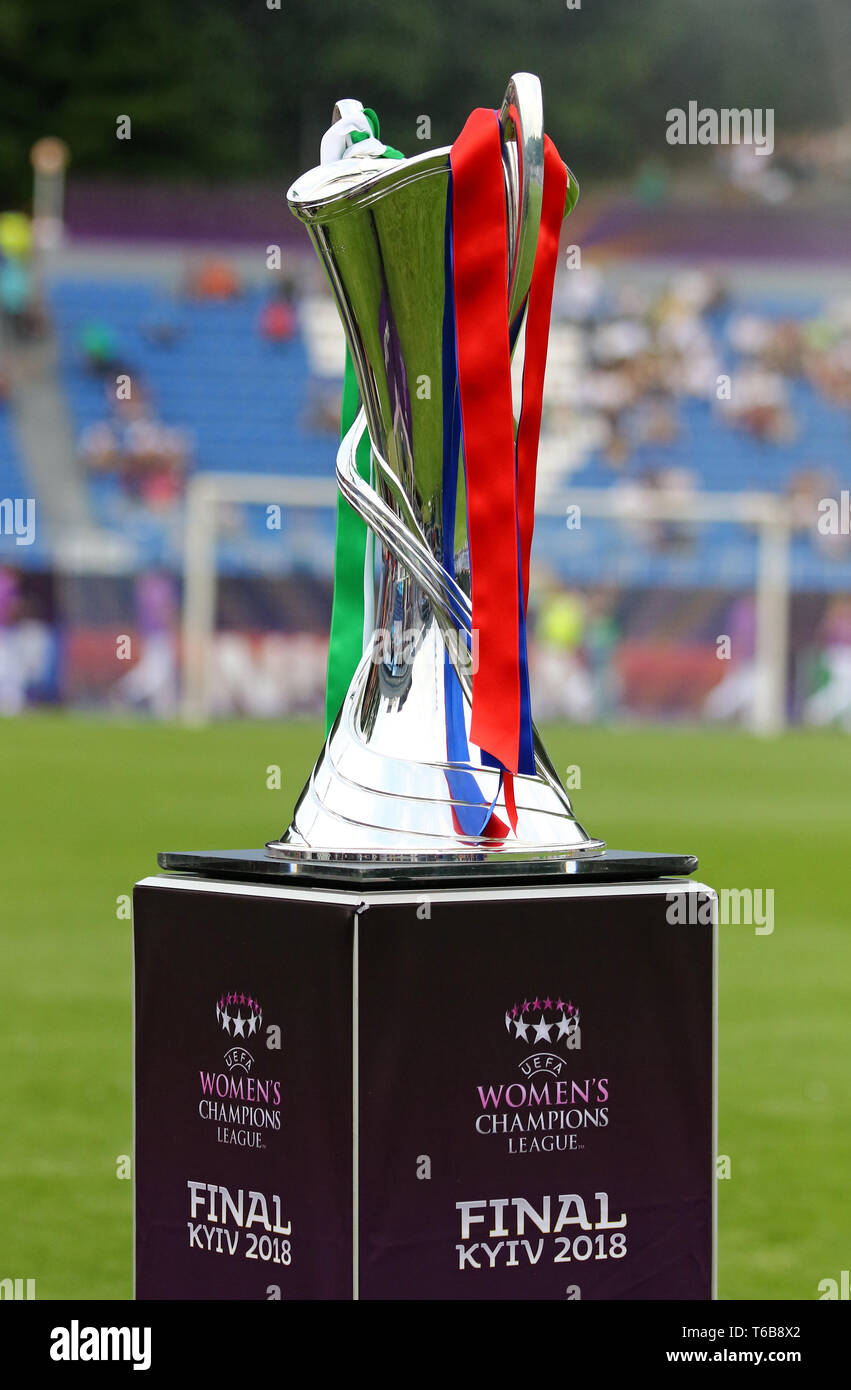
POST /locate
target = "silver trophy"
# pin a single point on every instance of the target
(384, 790)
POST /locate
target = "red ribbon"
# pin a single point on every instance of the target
(480, 268)
(500, 471)
(537, 336)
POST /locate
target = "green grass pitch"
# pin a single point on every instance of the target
(86, 805)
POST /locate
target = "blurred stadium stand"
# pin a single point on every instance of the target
(248, 405)
(13, 478)
(241, 399)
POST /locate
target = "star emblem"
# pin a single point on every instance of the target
(542, 1031)
(563, 1027)
(522, 1030)
(226, 1021)
(239, 1026)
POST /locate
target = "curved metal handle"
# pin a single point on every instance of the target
(522, 119)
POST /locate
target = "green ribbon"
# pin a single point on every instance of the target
(345, 647)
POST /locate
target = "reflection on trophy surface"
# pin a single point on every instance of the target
(401, 775)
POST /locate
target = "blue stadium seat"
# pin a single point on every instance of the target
(243, 402)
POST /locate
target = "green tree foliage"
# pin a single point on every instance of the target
(227, 88)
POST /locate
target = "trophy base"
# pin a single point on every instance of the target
(396, 1086)
(277, 861)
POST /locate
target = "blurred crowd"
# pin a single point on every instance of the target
(149, 457)
(21, 306)
(625, 358)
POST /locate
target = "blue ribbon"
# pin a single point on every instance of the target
(463, 787)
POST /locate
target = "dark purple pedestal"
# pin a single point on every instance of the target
(529, 1074)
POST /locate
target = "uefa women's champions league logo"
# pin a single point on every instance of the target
(547, 1111)
(547, 1021)
(240, 1016)
(243, 1107)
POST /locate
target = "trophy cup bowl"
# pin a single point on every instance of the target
(384, 789)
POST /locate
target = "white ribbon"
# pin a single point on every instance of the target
(337, 142)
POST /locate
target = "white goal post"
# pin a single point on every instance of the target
(769, 514)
